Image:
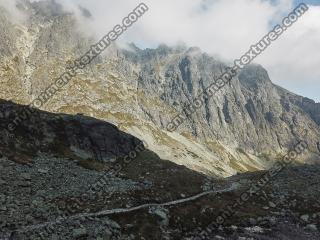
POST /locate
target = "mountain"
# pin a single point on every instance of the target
(107, 130)
(242, 127)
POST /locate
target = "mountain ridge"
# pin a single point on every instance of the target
(141, 91)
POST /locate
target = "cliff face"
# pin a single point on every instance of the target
(242, 127)
(251, 113)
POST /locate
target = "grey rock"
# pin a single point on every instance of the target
(54, 237)
(79, 232)
(271, 204)
(107, 234)
(43, 171)
(312, 227)
(3, 208)
(305, 217)
(26, 176)
(23, 183)
(114, 224)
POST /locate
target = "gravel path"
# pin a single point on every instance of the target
(126, 210)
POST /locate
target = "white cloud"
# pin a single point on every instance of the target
(219, 27)
(293, 61)
(10, 6)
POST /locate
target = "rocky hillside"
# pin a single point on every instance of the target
(54, 160)
(57, 183)
(62, 136)
(53, 187)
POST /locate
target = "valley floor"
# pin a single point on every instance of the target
(155, 199)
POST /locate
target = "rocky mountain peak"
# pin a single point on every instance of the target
(254, 76)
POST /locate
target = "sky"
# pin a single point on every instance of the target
(223, 28)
